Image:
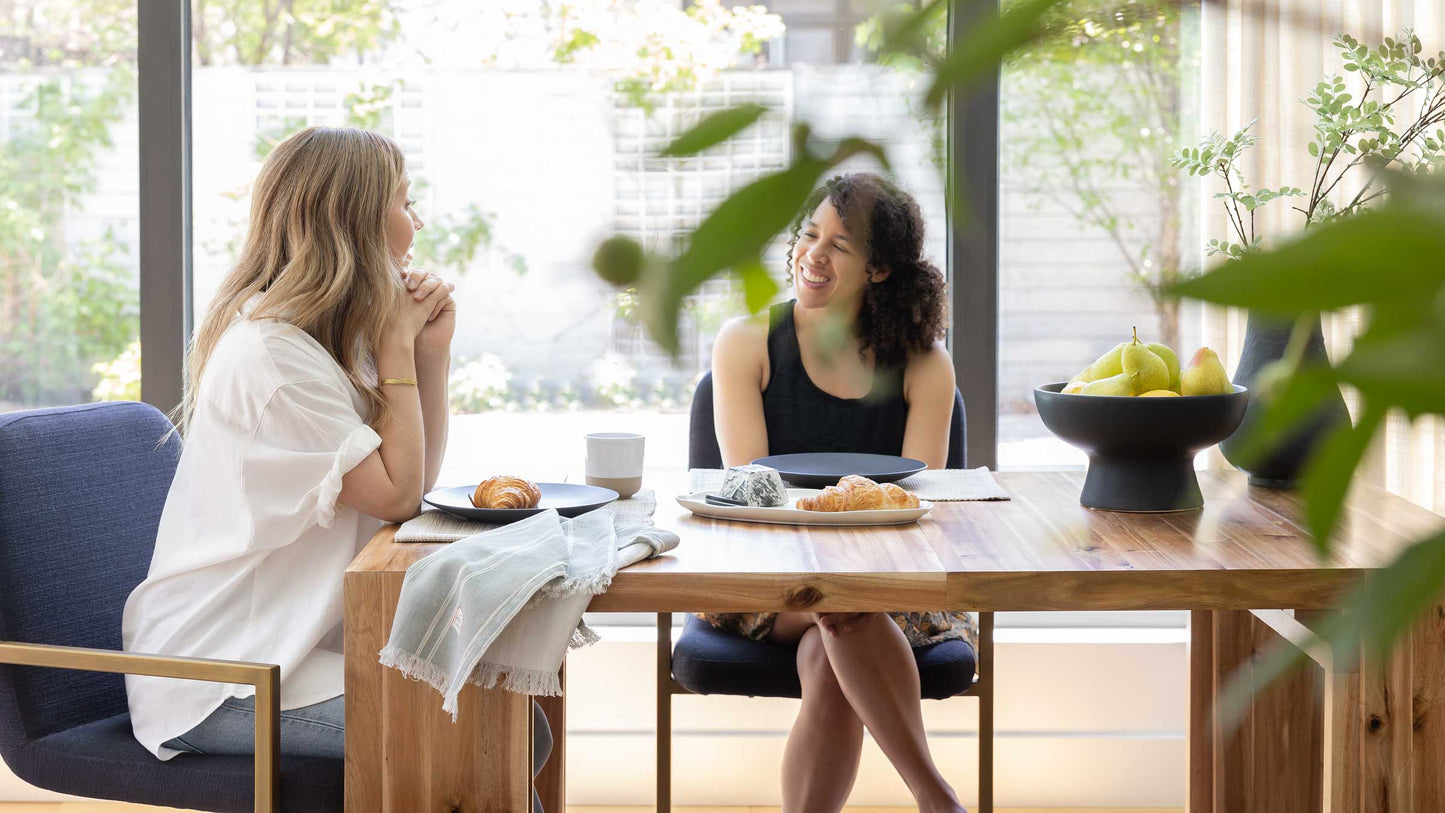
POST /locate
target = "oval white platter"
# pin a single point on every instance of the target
(790, 514)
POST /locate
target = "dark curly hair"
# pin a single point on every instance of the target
(904, 313)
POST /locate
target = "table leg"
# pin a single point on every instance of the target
(403, 753)
(552, 781)
(1385, 724)
(1270, 761)
(1402, 722)
(1199, 780)
(1427, 714)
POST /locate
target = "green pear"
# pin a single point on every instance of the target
(1121, 384)
(1104, 366)
(1205, 375)
(1170, 360)
(1153, 373)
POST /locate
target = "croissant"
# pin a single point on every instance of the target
(506, 492)
(856, 493)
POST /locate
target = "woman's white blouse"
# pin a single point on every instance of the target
(252, 545)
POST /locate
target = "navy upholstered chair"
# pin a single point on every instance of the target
(81, 492)
(709, 661)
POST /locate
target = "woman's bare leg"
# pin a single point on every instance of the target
(826, 742)
(875, 670)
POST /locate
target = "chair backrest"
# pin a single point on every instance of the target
(703, 451)
(81, 493)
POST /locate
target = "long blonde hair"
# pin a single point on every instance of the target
(316, 253)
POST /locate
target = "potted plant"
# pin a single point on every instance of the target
(1396, 121)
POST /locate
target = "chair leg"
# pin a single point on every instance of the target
(664, 712)
(985, 712)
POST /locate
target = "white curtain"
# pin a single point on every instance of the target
(1260, 59)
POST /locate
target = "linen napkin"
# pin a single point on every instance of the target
(936, 485)
(502, 607)
(435, 525)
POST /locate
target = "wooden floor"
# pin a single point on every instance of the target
(111, 807)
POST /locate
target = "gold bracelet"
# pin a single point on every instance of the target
(411, 381)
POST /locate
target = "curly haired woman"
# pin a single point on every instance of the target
(852, 364)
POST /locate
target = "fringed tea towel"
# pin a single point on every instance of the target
(503, 607)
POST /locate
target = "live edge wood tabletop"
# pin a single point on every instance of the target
(1247, 549)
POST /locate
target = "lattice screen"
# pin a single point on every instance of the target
(659, 200)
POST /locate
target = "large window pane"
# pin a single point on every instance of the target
(69, 297)
(1093, 220)
(532, 129)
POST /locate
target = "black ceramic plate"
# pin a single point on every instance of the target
(569, 500)
(821, 469)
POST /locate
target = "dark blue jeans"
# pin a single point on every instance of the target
(317, 731)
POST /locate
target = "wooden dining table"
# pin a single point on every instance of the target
(1336, 735)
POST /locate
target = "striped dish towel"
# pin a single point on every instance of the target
(503, 607)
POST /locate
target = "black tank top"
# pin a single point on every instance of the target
(800, 417)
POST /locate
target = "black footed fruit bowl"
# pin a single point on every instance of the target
(1141, 450)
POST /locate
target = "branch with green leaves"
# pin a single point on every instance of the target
(1219, 156)
(1386, 261)
(735, 236)
(1351, 134)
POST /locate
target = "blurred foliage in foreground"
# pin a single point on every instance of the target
(1389, 261)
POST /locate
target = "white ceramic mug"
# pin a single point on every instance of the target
(614, 460)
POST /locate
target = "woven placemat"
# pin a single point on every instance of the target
(434, 525)
(954, 485)
(937, 485)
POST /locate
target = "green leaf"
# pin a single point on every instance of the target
(1385, 252)
(1301, 397)
(1384, 607)
(1331, 468)
(759, 287)
(1254, 676)
(618, 260)
(986, 44)
(736, 232)
(1402, 370)
(908, 33)
(714, 129)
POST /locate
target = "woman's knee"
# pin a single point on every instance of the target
(814, 671)
(541, 739)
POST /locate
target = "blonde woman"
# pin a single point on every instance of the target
(316, 409)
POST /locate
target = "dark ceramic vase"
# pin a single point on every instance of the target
(1264, 342)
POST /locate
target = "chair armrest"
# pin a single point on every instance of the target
(265, 677)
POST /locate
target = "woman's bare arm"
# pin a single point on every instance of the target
(928, 386)
(389, 483)
(739, 365)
